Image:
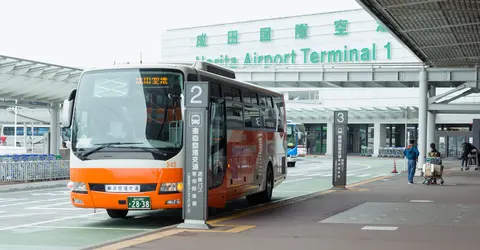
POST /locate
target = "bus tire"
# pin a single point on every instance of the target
(117, 214)
(266, 195)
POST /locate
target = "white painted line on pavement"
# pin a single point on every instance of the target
(295, 191)
(363, 175)
(56, 193)
(12, 199)
(379, 228)
(3, 212)
(312, 175)
(421, 201)
(327, 175)
(32, 202)
(22, 215)
(95, 228)
(50, 221)
(53, 205)
(295, 174)
(303, 179)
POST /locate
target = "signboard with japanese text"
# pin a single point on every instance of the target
(195, 170)
(339, 177)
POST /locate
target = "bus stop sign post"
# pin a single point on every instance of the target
(339, 177)
(195, 172)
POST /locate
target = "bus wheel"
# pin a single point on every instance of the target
(266, 195)
(116, 214)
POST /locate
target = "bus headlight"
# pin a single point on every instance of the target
(171, 187)
(77, 187)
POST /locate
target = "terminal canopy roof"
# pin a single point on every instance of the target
(442, 33)
(28, 80)
(309, 112)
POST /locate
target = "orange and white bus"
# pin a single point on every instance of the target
(126, 137)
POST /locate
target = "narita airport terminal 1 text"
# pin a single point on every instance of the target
(309, 56)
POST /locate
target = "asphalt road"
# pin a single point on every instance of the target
(44, 219)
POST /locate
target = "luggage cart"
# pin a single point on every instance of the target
(472, 161)
(432, 177)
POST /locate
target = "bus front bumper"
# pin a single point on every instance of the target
(120, 201)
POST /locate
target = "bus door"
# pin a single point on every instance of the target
(217, 140)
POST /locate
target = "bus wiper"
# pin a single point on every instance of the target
(104, 145)
(151, 150)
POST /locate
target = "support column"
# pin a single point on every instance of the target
(55, 128)
(431, 125)
(422, 120)
(329, 151)
(379, 136)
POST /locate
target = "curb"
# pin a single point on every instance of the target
(33, 186)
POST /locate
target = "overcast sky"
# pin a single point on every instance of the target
(90, 33)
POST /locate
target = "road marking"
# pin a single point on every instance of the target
(143, 239)
(31, 202)
(254, 210)
(363, 175)
(57, 193)
(297, 180)
(22, 215)
(50, 221)
(378, 228)
(94, 228)
(421, 201)
(12, 199)
(53, 205)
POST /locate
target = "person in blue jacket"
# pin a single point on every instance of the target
(411, 153)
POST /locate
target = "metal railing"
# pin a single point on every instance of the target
(26, 168)
(396, 152)
(366, 151)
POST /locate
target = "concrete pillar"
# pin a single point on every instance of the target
(54, 128)
(379, 136)
(431, 124)
(329, 138)
(422, 120)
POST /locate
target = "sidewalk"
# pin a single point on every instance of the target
(17, 186)
(384, 214)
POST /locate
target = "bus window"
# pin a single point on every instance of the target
(234, 108)
(251, 112)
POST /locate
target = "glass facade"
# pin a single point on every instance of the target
(448, 137)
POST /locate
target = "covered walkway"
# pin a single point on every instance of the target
(443, 34)
(33, 84)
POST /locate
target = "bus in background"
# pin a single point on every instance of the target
(32, 141)
(127, 150)
(292, 144)
(302, 138)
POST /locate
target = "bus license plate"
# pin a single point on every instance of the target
(137, 202)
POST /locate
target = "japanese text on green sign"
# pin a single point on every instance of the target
(301, 32)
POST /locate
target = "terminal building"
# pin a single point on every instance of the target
(342, 60)
(285, 54)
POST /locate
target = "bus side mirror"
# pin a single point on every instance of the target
(299, 135)
(67, 110)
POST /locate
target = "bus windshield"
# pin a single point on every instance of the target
(128, 111)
